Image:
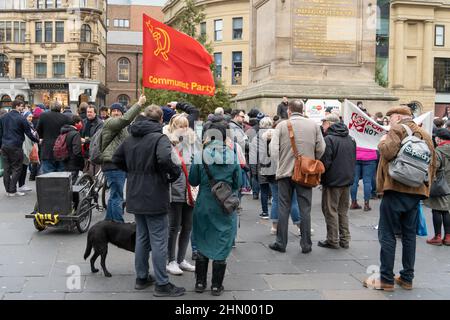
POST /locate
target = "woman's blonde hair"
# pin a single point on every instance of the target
(265, 123)
(178, 121)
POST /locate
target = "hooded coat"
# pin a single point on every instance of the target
(146, 156)
(213, 229)
(339, 158)
(73, 141)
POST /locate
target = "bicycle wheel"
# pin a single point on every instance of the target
(84, 179)
(85, 212)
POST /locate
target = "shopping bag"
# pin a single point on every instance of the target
(421, 222)
(34, 154)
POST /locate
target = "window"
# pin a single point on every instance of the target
(18, 68)
(218, 63)
(237, 68)
(16, 31)
(40, 4)
(12, 4)
(8, 37)
(38, 32)
(123, 99)
(439, 39)
(49, 3)
(40, 66)
(59, 30)
(218, 25)
(48, 31)
(85, 68)
(59, 67)
(124, 69)
(203, 29)
(83, 3)
(237, 28)
(121, 23)
(127, 23)
(4, 66)
(116, 23)
(22, 32)
(107, 22)
(2, 31)
(85, 33)
(57, 3)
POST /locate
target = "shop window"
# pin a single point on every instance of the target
(237, 68)
(40, 66)
(8, 33)
(124, 100)
(22, 32)
(85, 33)
(59, 67)
(218, 26)
(85, 68)
(59, 30)
(442, 75)
(124, 69)
(218, 63)
(4, 66)
(237, 28)
(38, 32)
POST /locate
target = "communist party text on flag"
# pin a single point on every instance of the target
(175, 61)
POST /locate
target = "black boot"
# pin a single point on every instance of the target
(201, 271)
(217, 277)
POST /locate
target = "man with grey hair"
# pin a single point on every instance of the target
(219, 111)
(339, 160)
(48, 129)
(146, 156)
(309, 142)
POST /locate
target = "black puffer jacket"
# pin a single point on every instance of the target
(73, 141)
(146, 156)
(339, 157)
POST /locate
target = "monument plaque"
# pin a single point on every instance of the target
(325, 31)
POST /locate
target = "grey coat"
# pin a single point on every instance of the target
(260, 154)
(442, 162)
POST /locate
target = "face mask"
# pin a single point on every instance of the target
(79, 126)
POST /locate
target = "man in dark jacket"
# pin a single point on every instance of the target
(75, 162)
(146, 156)
(91, 125)
(282, 110)
(339, 160)
(48, 128)
(13, 128)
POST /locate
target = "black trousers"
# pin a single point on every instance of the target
(23, 175)
(12, 167)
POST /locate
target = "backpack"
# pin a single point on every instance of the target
(95, 148)
(60, 150)
(410, 167)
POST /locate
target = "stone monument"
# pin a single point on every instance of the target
(313, 49)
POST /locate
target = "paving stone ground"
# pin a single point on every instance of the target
(34, 265)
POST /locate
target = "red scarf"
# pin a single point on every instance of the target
(184, 168)
(444, 142)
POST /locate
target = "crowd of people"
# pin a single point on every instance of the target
(172, 174)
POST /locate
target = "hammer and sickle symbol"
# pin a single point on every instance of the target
(162, 41)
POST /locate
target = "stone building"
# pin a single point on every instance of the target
(124, 68)
(226, 27)
(53, 50)
(419, 58)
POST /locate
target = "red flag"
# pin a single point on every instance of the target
(175, 61)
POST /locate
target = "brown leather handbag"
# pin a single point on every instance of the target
(307, 171)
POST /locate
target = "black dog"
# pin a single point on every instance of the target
(122, 235)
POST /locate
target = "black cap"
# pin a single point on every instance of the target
(443, 133)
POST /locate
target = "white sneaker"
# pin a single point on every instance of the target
(273, 231)
(173, 268)
(186, 266)
(19, 194)
(24, 188)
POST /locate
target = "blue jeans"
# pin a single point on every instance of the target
(152, 232)
(364, 170)
(116, 182)
(265, 191)
(255, 185)
(398, 212)
(52, 166)
(295, 211)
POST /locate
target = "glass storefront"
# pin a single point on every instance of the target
(45, 93)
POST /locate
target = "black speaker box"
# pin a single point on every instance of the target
(54, 193)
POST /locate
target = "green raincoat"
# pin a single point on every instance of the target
(214, 230)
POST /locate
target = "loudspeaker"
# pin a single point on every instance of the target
(54, 193)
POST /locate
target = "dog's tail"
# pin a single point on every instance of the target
(87, 253)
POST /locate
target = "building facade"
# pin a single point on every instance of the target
(53, 50)
(226, 27)
(124, 71)
(419, 53)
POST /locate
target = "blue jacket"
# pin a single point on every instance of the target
(13, 127)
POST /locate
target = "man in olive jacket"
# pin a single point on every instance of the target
(399, 207)
(113, 134)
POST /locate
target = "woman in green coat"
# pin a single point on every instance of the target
(213, 228)
(440, 206)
